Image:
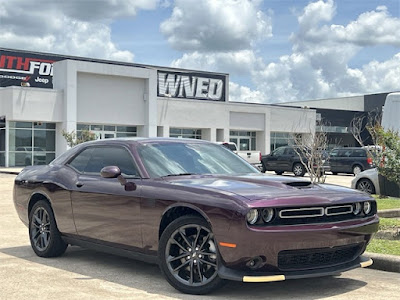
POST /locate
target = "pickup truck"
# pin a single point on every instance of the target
(252, 157)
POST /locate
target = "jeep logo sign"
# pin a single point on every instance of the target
(199, 86)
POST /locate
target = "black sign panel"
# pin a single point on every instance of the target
(200, 86)
(27, 69)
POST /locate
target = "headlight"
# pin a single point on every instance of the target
(367, 207)
(252, 216)
(267, 214)
(357, 208)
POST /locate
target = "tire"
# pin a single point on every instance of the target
(43, 232)
(278, 172)
(365, 185)
(263, 168)
(182, 257)
(357, 169)
(298, 170)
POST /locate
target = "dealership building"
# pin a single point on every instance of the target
(43, 95)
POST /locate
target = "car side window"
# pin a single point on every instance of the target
(279, 151)
(92, 160)
(289, 151)
(360, 153)
(81, 160)
(334, 153)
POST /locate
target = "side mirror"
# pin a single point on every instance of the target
(110, 172)
(115, 172)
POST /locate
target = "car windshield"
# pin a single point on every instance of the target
(175, 158)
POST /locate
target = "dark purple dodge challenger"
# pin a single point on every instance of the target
(195, 208)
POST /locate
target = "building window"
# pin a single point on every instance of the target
(107, 131)
(279, 139)
(187, 133)
(2, 142)
(31, 143)
(244, 140)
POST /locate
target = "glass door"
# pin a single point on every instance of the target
(101, 135)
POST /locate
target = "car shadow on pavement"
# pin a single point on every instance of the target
(89, 264)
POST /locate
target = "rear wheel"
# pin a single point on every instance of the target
(298, 169)
(365, 185)
(188, 256)
(43, 232)
(357, 169)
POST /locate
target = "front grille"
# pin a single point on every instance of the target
(290, 260)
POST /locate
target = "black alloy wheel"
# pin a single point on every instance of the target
(365, 185)
(43, 233)
(298, 169)
(188, 256)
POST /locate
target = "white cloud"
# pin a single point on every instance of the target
(238, 93)
(319, 65)
(67, 27)
(214, 26)
(236, 62)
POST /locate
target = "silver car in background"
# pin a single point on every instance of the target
(367, 181)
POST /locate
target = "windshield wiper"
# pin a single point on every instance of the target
(179, 174)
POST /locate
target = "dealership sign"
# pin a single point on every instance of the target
(27, 69)
(200, 86)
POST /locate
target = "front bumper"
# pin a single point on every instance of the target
(294, 251)
(230, 274)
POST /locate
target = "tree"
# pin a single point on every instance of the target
(73, 139)
(389, 165)
(385, 148)
(311, 150)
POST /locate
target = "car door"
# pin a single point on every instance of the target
(286, 159)
(272, 160)
(333, 160)
(103, 210)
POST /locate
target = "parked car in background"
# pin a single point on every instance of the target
(23, 156)
(252, 157)
(198, 210)
(351, 160)
(285, 159)
(367, 181)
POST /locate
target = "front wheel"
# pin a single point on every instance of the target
(298, 169)
(357, 169)
(43, 232)
(188, 256)
(366, 185)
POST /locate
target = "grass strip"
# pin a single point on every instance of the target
(387, 203)
(388, 223)
(384, 247)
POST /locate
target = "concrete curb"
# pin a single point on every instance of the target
(384, 262)
(389, 213)
(9, 172)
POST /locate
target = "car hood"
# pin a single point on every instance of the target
(261, 187)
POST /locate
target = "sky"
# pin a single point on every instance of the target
(273, 50)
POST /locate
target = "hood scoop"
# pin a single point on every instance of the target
(300, 184)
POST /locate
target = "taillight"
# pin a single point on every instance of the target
(260, 156)
(369, 161)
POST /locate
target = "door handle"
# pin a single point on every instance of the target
(79, 184)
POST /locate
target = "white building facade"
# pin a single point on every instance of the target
(126, 100)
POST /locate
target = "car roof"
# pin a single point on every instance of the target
(143, 140)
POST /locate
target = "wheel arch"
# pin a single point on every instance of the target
(35, 197)
(175, 211)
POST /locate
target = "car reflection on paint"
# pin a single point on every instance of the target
(195, 208)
